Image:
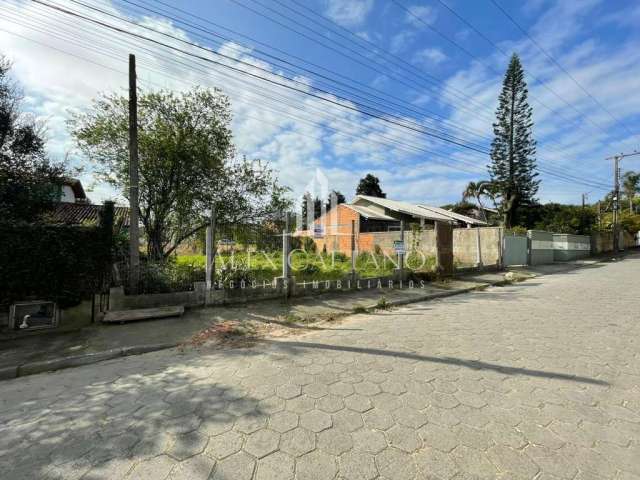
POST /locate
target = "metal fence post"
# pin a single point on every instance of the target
(353, 247)
(209, 249)
(285, 247)
(404, 249)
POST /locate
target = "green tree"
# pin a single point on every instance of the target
(187, 163)
(370, 185)
(630, 182)
(29, 182)
(513, 163)
(339, 198)
(477, 190)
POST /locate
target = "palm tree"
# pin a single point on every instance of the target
(476, 190)
(630, 183)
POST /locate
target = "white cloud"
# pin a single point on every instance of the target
(349, 13)
(429, 57)
(424, 14)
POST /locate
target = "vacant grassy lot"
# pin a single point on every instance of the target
(265, 266)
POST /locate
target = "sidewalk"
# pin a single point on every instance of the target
(99, 342)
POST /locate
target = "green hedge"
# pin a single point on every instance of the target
(64, 263)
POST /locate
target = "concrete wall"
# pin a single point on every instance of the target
(540, 247)
(424, 241)
(568, 247)
(465, 245)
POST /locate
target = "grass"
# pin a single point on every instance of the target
(305, 266)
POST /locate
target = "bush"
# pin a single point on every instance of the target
(235, 277)
(168, 276)
(63, 263)
(308, 245)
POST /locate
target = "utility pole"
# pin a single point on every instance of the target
(616, 196)
(134, 234)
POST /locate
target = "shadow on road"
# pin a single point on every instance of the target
(473, 364)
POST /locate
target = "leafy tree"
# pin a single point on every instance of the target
(29, 182)
(339, 198)
(513, 163)
(187, 163)
(316, 205)
(370, 185)
(558, 218)
(630, 183)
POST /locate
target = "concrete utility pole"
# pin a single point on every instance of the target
(134, 234)
(616, 197)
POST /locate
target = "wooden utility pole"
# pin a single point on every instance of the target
(134, 234)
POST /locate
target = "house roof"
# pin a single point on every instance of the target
(76, 186)
(77, 213)
(368, 213)
(405, 207)
(454, 215)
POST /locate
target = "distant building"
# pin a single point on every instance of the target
(73, 207)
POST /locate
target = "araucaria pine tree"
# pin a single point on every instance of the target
(513, 150)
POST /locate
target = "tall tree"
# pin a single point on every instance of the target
(630, 183)
(513, 150)
(370, 185)
(29, 182)
(187, 163)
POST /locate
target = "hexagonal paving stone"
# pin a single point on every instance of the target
(335, 441)
(271, 405)
(378, 419)
(395, 464)
(316, 466)
(404, 438)
(341, 389)
(262, 443)
(277, 466)
(409, 417)
(358, 466)
(367, 440)
(194, 468)
(514, 461)
(472, 461)
(358, 403)
(188, 445)
(301, 404)
(431, 462)
(224, 445)
(315, 420)
(250, 423)
(297, 441)
(386, 401)
(396, 388)
(283, 421)
(315, 390)
(438, 437)
(367, 388)
(289, 391)
(444, 400)
(330, 403)
(347, 420)
(239, 466)
(152, 469)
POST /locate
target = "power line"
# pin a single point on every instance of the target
(557, 64)
(378, 49)
(202, 58)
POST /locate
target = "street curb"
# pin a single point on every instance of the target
(437, 295)
(32, 368)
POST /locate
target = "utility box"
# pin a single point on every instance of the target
(567, 247)
(540, 247)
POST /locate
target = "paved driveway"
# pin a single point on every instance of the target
(539, 380)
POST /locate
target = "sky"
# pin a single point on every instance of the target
(397, 88)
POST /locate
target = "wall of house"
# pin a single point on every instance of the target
(337, 229)
(67, 194)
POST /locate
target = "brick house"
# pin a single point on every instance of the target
(375, 221)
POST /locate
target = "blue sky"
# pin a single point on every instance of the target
(419, 76)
